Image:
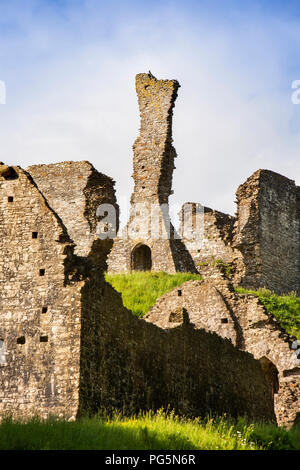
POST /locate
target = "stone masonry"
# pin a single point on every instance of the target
(261, 244)
(214, 305)
(215, 241)
(153, 163)
(75, 190)
(267, 232)
(70, 348)
(39, 310)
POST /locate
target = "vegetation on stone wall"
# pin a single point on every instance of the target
(140, 290)
(285, 308)
(146, 432)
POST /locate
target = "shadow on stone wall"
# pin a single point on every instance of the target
(131, 365)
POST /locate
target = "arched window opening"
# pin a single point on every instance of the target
(2, 353)
(141, 259)
(271, 373)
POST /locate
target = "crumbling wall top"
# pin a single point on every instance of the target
(75, 190)
(154, 154)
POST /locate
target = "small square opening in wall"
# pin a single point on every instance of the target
(44, 339)
(21, 340)
(2, 353)
(34, 234)
(179, 292)
(42, 272)
(10, 199)
(44, 309)
(224, 320)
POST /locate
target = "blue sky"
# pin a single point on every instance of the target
(69, 69)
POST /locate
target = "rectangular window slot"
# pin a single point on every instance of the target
(2, 353)
(224, 320)
(34, 234)
(44, 309)
(10, 199)
(179, 292)
(42, 272)
(21, 340)
(43, 339)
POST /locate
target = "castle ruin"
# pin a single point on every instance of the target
(261, 244)
(68, 346)
(213, 305)
(153, 165)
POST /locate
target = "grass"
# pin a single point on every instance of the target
(159, 431)
(140, 290)
(285, 308)
(148, 431)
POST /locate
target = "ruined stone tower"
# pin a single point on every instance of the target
(154, 154)
(267, 232)
(149, 240)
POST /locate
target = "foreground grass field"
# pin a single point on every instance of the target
(147, 432)
(140, 290)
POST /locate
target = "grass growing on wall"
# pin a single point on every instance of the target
(146, 432)
(140, 290)
(286, 308)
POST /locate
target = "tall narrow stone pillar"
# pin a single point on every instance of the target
(154, 154)
(148, 227)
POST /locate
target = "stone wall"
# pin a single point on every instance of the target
(132, 365)
(169, 256)
(153, 165)
(216, 307)
(261, 244)
(67, 344)
(39, 313)
(267, 232)
(153, 160)
(212, 235)
(75, 190)
(71, 348)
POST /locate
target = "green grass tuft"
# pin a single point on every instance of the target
(140, 290)
(285, 308)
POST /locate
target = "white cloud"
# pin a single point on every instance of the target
(73, 101)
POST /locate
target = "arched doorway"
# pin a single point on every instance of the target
(141, 259)
(271, 373)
